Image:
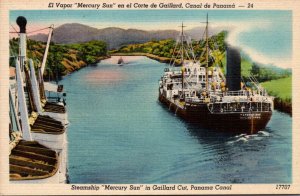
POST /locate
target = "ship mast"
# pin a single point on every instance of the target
(182, 53)
(206, 69)
(182, 42)
(47, 48)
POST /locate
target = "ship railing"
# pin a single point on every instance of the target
(261, 92)
(237, 93)
(55, 96)
(54, 93)
(176, 80)
(214, 99)
(236, 108)
(192, 100)
(173, 81)
(176, 72)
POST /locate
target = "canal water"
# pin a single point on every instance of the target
(120, 133)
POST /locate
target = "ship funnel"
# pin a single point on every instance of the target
(21, 21)
(233, 69)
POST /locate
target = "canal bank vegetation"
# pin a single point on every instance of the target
(281, 89)
(163, 50)
(63, 58)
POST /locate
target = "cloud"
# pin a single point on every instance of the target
(234, 38)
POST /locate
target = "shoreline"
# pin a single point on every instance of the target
(283, 106)
(151, 56)
(77, 68)
(99, 59)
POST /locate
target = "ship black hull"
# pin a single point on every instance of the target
(237, 122)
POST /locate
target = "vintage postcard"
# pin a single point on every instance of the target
(151, 98)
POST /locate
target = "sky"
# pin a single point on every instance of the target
(264, 35)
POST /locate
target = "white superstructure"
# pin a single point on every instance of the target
(42, 122)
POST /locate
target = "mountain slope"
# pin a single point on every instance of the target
(115, 37)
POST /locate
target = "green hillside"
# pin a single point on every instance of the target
(281, 88)
(63, 58)
(165, 48)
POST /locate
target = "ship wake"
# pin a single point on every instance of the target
(243, 138)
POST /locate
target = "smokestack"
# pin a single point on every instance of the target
(233, 69)
(21, 21)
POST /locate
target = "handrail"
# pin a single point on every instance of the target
(46, 50)
(234, 108)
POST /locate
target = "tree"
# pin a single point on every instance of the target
(255, 70)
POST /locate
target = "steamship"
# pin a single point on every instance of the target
(202, 94)
(38, 124)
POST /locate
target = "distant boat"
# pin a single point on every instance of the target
(120, 61)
